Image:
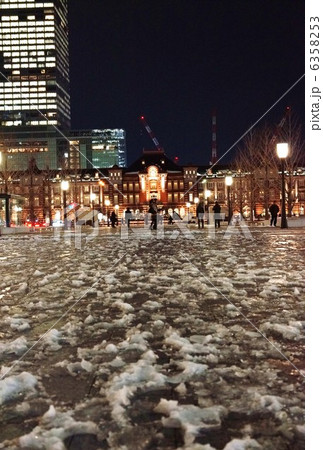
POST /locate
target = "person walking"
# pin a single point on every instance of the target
(200, 210)
(217, 210)
(153, 210)
(128, 216)
(274, 210)
(114, 219)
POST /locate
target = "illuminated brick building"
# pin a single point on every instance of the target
(152, 176)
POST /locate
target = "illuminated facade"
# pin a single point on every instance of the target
(34, 80)
(43, 144)
(80, 149)
(153, 176)
(34, 94)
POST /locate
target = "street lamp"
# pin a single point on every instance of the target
(92, 198)
(188, 205)
(196, 201)
(282, 152)
(107, 204)
(228, 183)
(116, 207)
(65, 186)
(101, 187)
(207, 195)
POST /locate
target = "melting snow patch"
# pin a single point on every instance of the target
(267, 402)
(77, 367)
(17, 347)
(290, 332)
(52, 339)
(16, 385)
(18, 324)
(134, 273)
(151, 305)
(55, 427)
(141, 375)
(242, 444)
(190, 418)
(90, 319)
(37, 273)
(126, 307)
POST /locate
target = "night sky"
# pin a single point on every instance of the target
(174, 61)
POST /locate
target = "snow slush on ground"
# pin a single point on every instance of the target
(148, 343)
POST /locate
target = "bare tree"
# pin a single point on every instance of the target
(268, 165)
(249, 161)
(47, 194)
(292, 133)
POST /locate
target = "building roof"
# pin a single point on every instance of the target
(156, 158)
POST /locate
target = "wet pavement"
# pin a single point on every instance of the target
(153, 341)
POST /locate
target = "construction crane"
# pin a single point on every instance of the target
(279, 127)
(151, 134)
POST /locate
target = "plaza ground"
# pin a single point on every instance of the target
(147, 341)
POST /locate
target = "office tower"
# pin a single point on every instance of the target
(34, 79)
(97, 148)
(34, 94)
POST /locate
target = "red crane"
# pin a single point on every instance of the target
(281, 124)
(150, 132)
(214, 152)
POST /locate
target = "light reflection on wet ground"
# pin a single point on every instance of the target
(188, 284)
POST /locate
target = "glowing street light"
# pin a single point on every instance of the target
(207, 195)
(282, 152)
(228, 183)
(92, 198)
(65, 187)
(107, 204)
(188, 205)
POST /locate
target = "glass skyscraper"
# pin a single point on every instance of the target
(34, 94)
(34, 79)
(97, 148)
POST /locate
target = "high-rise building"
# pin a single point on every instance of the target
(97, 148)
(34, 79)
(34, 94)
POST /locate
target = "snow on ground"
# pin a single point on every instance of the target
(148, 343)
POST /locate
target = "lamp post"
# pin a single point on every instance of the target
(228, 183)
(282, 152)
(196, 200)
(65, 186)
(188, 205)
(92, 198)
(107, 204)
(207, 195)
(117, 212)
(101, 188)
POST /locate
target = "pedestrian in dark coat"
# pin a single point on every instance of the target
(200, 210)
(114, 219)
(153, 210)
(128, 216)
(274, 210)
(217, 210)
